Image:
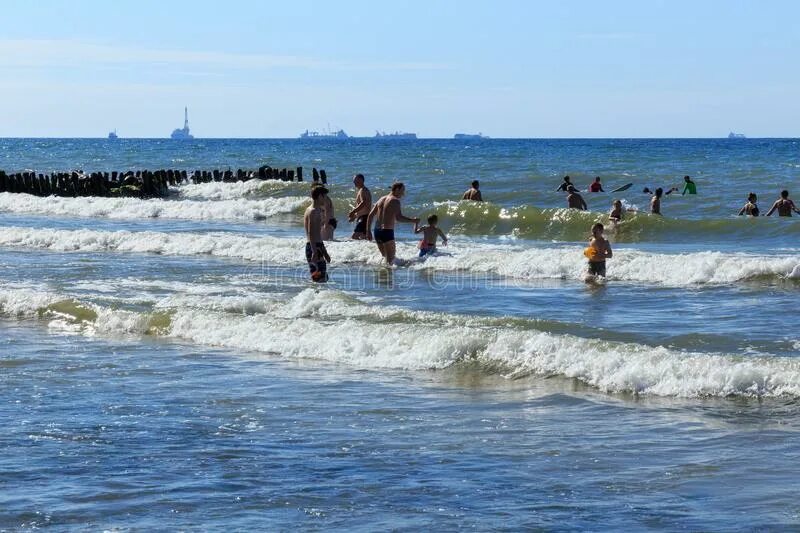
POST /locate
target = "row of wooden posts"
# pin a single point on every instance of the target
(139, 183)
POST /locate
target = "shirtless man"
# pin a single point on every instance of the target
(328, 220)
(473, 193)
(363, 206)
(316, 254)
(784, 206)
(385, 213)
(655, 201)
(575, 200)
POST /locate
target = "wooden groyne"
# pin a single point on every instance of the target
(139, 183)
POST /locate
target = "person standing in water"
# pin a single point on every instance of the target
(655, 201)
(430, 233)
(783, 205)
(564, 187)
(575, 200)
(596, 186)
(689, 186)
(328, 220)
(598, 251)
(316, 254)
(473, 193)
(361, 210)
(750, 208)
(386, 212)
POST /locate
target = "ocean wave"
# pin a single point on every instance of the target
(134, 208)
(330, 325)
(509, 261)
(562, 224)
(241, 189)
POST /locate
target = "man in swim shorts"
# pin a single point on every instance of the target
(363, 206)
(316, 254)
(385, 213)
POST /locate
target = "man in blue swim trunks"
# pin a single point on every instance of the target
(385, 213)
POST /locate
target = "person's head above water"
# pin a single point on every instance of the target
(358, 180)
(752, 197)
(476, 184)
(784, 194)
(566, 178)
(687, 178)
(398, 188)
(597, 179)
(617, 203)
(659, 192)
(433, 220)
(318, 192)
(597, 229)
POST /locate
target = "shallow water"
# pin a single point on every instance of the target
(167, 364)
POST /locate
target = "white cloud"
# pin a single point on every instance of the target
(38, 53)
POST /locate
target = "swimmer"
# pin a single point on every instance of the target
(598, 251)
(617, 212)
(655, 201)
(750, 208)
(385, 213)
(361, 210)
(429, 235)
(689, 186)
(575, 200)
(783, 205)
(473, 193)
(564, 187)
(316, 254)
(596, 186)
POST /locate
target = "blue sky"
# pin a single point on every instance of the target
(505, 68)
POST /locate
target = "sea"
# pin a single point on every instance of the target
(167, 364)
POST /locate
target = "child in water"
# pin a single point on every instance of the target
(427, 245)
(598, 251)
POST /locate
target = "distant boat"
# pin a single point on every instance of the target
(469, 136)
(183, 133)
(732, 135)
(326, 135)
(395, 135)
(113, 135)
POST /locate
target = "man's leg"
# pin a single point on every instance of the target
(390, 251)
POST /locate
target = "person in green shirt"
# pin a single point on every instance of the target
(690, 187)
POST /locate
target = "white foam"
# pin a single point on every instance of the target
(232, 191)
(329, 325)
(134, 208)
(512, 261)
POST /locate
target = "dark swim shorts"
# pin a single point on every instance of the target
(383, 235)
(597, 268)
(318, 269)
(361, 225)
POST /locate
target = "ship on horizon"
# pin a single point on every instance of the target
(469, 136)
(183, 133)
(395, 135)
(732, 135)
(325, 135)
(112, 135)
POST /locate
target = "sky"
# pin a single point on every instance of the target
(571, 68)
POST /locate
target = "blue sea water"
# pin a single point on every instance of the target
(167, 364)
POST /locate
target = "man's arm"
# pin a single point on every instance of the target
(369, 219)
(773, 208)
(794, 208)
(442, 235)
(583, 203)
(601, 189)
(479, 197)
(741, 211)
(609, 253)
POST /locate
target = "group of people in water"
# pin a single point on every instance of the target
(319, 220)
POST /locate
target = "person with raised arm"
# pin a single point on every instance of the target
(385, 213)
